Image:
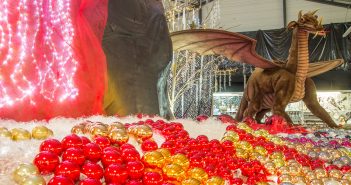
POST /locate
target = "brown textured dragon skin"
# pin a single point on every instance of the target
(273, 89)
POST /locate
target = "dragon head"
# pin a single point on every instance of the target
(308, 22)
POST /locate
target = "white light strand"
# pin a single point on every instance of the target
(32, 66)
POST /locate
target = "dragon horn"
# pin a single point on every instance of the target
(314, 12)
(300, 14)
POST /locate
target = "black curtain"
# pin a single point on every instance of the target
(275, 44)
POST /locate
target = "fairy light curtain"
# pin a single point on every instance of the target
(51, 61)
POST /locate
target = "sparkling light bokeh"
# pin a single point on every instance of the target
(36, 55)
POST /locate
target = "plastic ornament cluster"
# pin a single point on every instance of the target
(20, 134)
(242, 156)
(32, 67)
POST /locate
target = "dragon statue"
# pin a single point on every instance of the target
(273, 84)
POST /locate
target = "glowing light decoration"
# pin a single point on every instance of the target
(36, 55)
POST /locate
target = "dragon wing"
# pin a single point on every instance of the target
(234, 46)
(317, 68)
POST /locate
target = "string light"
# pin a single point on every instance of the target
(36, 55)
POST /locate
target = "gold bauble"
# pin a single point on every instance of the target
(277, 140)
(279, 162)
(320, 173)
(78, 129)
(232, 134)
(347, 176)
(174, 171)
(336, 154)
(215, 180)
(261, 150)
(316, 182)
(254, 155)
(277, 155)
(308, 145)
(166, 153)
(115, 125)
(262, 183)
(24, 170)
(3, 129)
(88, 127)
(245, 145)
(118, 136)
(284, 178)
(198, 173)
(257, 133)
(270, 167)
(5, 133)
(191, 181)
(294, 171)
(41, 132)
(325, 156)
(283, 170)
(305, 169)
(19, 134)
(300, 179)
(228, 138)
(335, 173)
(33, 180)
(324, 179)
(345, 182)
(310, 175)
(242, 125)
(181, 160)
(262, 159)
(300, 148)
(154, 159)
(143, 132)
(241, 153)
(263, 132)
(99, 130)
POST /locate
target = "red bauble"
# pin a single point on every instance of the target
(109, 157)
(148, 145)
(103, 142)
(169, 130)
(92, 170)
(152, 178)
(135, 169)
(89, 181)
(236, 181)
(75, 155)
(46, 162)
(225, 118)
(130, 155)
(168, 145)
(72, 141)
(134, 182)
(68, 169)
(85, 140)
(116, 173)
(60, 180)
(52, 145)
(111, 148)
(228, 145)
(202, 138)
(92, 152)
(201, 117)
(177, 126)
(345, 169)
(127, 146)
